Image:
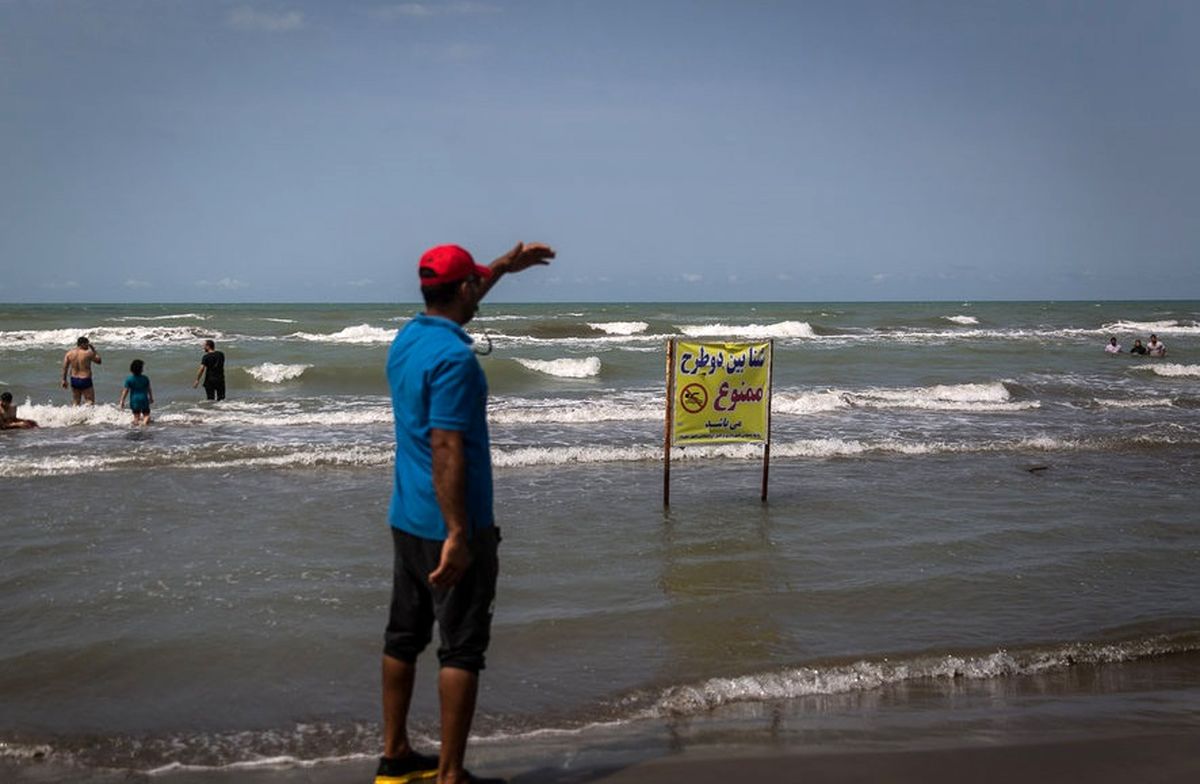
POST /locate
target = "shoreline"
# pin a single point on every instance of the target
(1164, 757)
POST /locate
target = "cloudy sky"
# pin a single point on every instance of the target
(172, 151)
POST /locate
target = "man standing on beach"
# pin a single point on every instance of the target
(212, 370)
(443, 531)
(78, 363)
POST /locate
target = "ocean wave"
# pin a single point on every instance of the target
(362, 334)
(316, 743)
(538, 412)
(870, 674)
(979, 398)
(193, 458)
(782, 329)
(305, 745)
(171, 317)
(49, 415)
(1143, 402)
(1167, 327)
(586, 367)
(281, 762)
(1171, 370)
(962, 319)
(259, 414)
(278, 320)
(24, 752)
(103, 337)
(986, 397)
(620, 327)
(274, 373)
(801, 403)
(624, 342)
(357, 456)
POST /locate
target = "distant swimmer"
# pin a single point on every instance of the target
(137, 390)
(1138, 348)
(78, 363)
(1113, 346)
(1155, 347)
(212, 370)
(8, 415)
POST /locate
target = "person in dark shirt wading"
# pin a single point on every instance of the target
(212, 370)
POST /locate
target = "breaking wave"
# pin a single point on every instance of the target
(966, 320)
(782, 329)
(103, 337)
(868, 674)
(1169, 327)
(274, 373)
(587, 367)
(1171, 370)
(620, 327)
(363, 334)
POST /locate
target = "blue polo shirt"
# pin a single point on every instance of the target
(436, 381)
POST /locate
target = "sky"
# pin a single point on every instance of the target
(207, 151)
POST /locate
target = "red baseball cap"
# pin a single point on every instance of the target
(449, 264)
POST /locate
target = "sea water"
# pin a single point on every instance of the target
(977, 520)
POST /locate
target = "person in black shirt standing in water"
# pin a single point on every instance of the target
(212, 370)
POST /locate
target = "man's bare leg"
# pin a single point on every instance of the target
(456, 689)
(398, 679)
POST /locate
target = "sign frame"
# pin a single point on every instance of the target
(670, 423)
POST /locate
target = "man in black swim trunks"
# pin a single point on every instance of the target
(78, 363)
(212, 370)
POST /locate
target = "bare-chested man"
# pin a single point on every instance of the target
(78, 362)
(8, 415)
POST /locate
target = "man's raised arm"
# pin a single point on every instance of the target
(521, 257)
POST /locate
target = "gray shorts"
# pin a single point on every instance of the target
(463, 613)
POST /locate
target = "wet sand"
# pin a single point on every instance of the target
(1162, 758)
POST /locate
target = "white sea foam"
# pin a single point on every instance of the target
(280, 415)
(979, 398)
(802, 403)
(49, 415)
(563, 455)
(867, 675)
(1158, 402)
(962, 319)
(1171, 370)
(278, 320)
(25, 466)
(274, 373)
(298, 456)
(625, 342)
(104, 337)
(362, 334)
(24, 752)
(586, 367)
(534, 412)
(280, 762)
(307, 457)
(365, 456)
(620, 327)
(782, 329)
(171, 317)
(1168, 327)
(253, 413)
